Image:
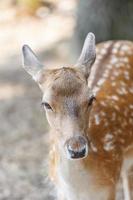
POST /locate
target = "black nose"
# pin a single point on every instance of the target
(77, 147)
(77, 154)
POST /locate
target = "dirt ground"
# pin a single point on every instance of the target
(23, 126)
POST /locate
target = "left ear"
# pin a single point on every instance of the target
(88, 54)
(30, 61)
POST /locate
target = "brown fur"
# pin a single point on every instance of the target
(107, 123)
(105, 166)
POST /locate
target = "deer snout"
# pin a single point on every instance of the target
(76, 147)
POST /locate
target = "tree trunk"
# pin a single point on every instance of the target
(108, 20)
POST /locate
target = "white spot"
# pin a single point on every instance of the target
(96, 89)
(117, 44)
(103, 51)
(131, 106)
(119, 131)
(106, 124)
(125, 48)
(122, 53)
(124, 59)
(114, 98)
(97, 120)
(115, 50)
(112, 78)
(103, 103)
(102, 113)
(108, 142)
(119, 64)
(107, 45)
(122, 91)
(99, 57)
(131, 90)
(122, 83)
(126, 74)
(114, 60)
(117, 107)
(101, 81)
(108, 137)
(106, 74)
(93, 147)
(109, 66)
(116, 73)
(130, 52)
(113, 84)
(108, 146)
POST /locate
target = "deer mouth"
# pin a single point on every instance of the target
(76, 148)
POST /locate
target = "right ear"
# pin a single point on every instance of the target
(88, 54)
(30, 61)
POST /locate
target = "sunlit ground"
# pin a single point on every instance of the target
(23, 129)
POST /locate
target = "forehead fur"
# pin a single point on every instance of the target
(64, 81)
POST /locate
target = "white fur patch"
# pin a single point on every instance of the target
(77, 184)
(97, 119)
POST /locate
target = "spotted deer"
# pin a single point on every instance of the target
(89, 107)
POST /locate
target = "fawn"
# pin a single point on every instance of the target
(89, 107)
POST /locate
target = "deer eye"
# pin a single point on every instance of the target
(46, 105)
(91, 99)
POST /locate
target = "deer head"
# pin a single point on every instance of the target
(67, 99)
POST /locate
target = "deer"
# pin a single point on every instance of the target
(89, 107)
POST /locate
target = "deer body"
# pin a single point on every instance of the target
(91, 170)
(110, 127)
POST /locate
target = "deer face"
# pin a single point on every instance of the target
(67, 101)
(66, 98)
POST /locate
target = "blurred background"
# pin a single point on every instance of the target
(55, 30)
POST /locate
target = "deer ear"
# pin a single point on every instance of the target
(88, 54)
(30, 61)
